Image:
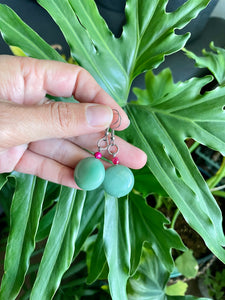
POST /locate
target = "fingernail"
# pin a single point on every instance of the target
(99, 115)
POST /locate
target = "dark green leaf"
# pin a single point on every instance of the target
(128, 224)
(6, 195)
(146, 183)
(24, 217)
(45, 225)
(149, 281)
(92, 214)
(98, 262)
(60, 246)
(3, 180)
(148, 224)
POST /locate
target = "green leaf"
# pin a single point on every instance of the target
(187, 265)
(60, 246)
(116, 243)
(24, 217)
(146, 224)
(3, 180)
(214, 61)
(146, 183)
(93, 211)
(160, 129)
(128, 224)
(16, 33)
(45, 225)
(115, 62)
(185, 298)
(149, 281)
(98, 262)
(177, 289)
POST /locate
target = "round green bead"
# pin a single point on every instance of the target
(89, 173)
(119, 181)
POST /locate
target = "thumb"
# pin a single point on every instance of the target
(22, 124)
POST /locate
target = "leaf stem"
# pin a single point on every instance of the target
(175, 216)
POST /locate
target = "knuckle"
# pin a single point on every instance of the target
(6, 125)
(63, 116)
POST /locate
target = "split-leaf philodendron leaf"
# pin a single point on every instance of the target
(114, 62)
(151, 284)
(161, 124)
(162, 118)
(212, 60)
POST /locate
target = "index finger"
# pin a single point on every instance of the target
(66, 80)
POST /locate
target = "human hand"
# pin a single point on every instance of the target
(47, 138)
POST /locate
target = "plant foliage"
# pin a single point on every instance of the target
(133, 243)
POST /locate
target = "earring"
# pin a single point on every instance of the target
(90, 173)
(119, 180)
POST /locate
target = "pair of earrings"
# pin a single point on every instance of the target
(90, 173)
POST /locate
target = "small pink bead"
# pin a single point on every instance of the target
(115, 161)
(98, 155)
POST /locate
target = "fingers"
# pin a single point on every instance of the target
(55, 160)
(69, 154)
(22, 124)
(46, 168)
(66, 80)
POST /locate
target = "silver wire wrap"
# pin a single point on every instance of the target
(107, 142)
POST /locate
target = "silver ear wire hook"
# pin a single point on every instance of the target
(107, 142)
(116, 124)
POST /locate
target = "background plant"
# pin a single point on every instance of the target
(133, 243)
(215, 284)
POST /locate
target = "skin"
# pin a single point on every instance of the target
(47, 138)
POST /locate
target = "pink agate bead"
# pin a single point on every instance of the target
(115, 160)
(98, 155)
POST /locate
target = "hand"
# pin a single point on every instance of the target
(47, 138)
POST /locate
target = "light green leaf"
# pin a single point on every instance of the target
(187, 265)
(185, 298)
(60, 246)
(17, 51)
(161, 127)
(16, 33)
(24, 217)
(115, 62)
(214, 61)
(177, 289)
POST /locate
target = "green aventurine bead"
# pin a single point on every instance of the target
(89, 173)
(119, 181)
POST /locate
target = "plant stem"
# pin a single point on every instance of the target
(213, 181)
(175, 216)
(193, 147)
